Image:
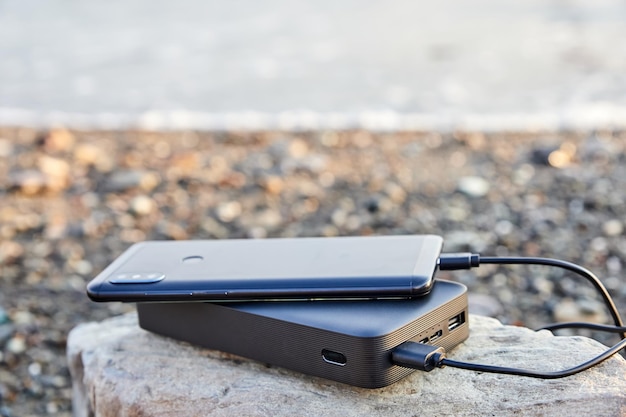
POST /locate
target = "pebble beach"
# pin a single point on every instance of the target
(72, 201)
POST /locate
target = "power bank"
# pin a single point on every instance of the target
(345, 341)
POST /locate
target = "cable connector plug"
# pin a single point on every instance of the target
(418, 356)
(456, 261)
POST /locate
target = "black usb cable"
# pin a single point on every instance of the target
(457, 261)
(428, 357)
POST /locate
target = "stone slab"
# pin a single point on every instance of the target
(119, 369)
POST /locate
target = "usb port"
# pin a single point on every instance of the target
(333, 357)
(436, 335)
(424, 340)
(456, 321)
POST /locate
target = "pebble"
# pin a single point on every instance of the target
(83, 267)
(524, 174)
(614, 265)
(464, 240)
(229, 211)
(23, 318)
(125, 180)
(473, 186)
(599, 244)
(10, 251)
(142, 205)
(456, 213)
(540, 155)
(580, 310)
(298, 148)
(372, 205)
(396, 193)
(90, 154)
(28, 181)
(58, 140)
(213, 228)
(613, 227)
(273, 184)
(269, 219)
(6, 148)
(57, 172)
(504, 228)
(16, 345)
(34, 369)
(186, 163)
(52, 407)
(484, 305)
(339, 217)
(311, 163)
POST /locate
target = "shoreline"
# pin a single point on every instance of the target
(589, 117)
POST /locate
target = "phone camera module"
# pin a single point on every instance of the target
(193, 259)
(136, 277)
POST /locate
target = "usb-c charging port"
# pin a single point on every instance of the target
(436, 335)
(456, 321)
(332, 357)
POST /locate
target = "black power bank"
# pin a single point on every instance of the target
(345, 341)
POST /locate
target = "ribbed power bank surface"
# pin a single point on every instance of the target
(345, 341)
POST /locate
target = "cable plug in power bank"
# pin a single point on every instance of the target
(344, 341)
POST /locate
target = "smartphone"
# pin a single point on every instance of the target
(262, 269)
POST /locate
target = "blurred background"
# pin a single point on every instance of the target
(477, 64)
(498, 125)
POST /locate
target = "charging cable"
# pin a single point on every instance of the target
(426, 357)
(457, 261)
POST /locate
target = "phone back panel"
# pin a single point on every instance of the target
(270, 268)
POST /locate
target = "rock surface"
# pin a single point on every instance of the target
(119, 369)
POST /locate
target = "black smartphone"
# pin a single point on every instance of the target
(261, 269)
